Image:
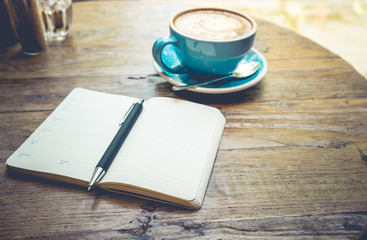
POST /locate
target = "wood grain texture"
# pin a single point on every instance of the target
(291, 164)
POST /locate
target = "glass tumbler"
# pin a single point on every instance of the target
(57, 18)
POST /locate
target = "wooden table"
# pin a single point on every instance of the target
(292, 163)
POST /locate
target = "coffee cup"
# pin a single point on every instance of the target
(205, 41)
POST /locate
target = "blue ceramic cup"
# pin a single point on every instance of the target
(185, 51)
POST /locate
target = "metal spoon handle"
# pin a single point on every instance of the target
(187, 86)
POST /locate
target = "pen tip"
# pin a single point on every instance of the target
(89, 188)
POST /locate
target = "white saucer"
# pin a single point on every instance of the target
(228, 86)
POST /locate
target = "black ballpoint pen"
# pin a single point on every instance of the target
(126, 124)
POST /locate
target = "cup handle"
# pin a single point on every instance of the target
(177, 65)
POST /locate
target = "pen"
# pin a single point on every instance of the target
(126, 124)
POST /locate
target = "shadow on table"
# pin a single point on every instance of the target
(247, 95)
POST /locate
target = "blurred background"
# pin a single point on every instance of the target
(338, 25)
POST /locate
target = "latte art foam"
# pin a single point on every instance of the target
(212, 25)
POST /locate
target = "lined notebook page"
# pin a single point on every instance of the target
(168, 148)
(73, 138)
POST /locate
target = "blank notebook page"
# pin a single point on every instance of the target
(168, 148)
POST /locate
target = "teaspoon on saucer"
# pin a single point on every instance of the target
(243, 70)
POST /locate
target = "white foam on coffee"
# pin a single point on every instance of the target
(212, 25)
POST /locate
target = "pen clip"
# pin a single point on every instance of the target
(126, 114)
(129, 110)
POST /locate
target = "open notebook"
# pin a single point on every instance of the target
(168, 155)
